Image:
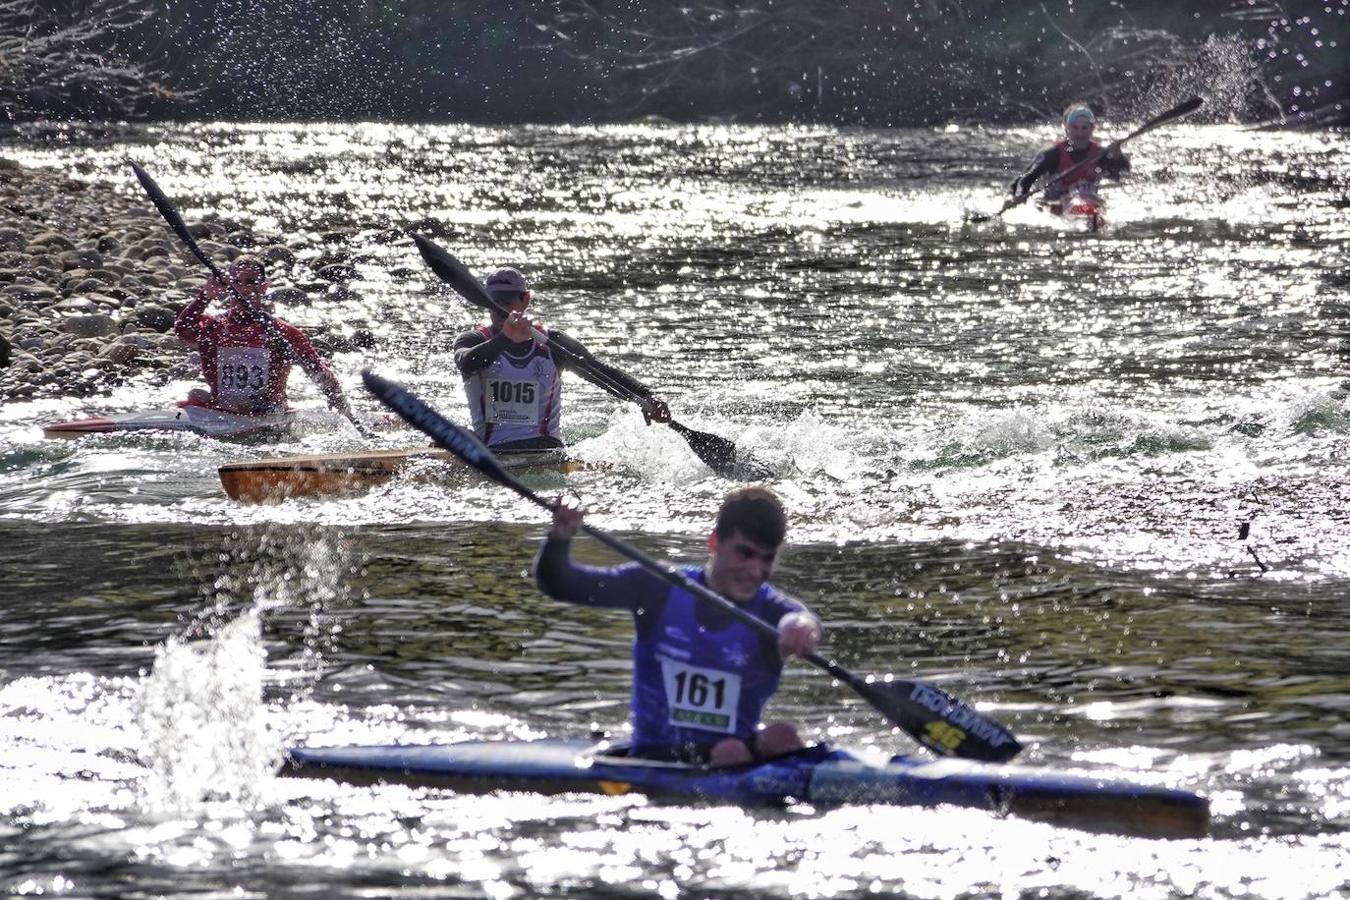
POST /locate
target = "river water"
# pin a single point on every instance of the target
(1016, 457)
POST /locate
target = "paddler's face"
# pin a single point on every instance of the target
(511, 303)
(739, 566)
(1079, 132)
(248, 279)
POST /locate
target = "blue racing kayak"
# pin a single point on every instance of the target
(820, 775)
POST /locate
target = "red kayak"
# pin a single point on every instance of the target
(1089, 209)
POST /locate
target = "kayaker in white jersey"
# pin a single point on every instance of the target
(514, 383)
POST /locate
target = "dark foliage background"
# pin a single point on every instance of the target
(874, 62)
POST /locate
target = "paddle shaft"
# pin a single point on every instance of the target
(929, 715)
(1177, 111)
(718, 453)
(615, 387)
(179, 227)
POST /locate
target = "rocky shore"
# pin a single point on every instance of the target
(90, 283)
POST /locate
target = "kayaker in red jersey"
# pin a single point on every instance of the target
(245, 365)
(701, 677)
(514, 383)
(1077, 155)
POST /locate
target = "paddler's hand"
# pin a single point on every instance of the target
(213, 289)
(798, 634)
(567, 515)
(517, 328)
(654, 410)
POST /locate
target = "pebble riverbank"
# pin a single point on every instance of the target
(90, 283)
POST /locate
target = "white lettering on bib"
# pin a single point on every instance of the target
(512, 402)
(701, 698)
(241, 375)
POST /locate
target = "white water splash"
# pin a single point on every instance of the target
(202, 719)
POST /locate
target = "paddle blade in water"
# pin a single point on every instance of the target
(939, 721)
(721, 455)
(458, 440)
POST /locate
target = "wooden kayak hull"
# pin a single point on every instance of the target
(343, 474)
(213, 423)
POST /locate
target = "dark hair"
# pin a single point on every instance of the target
(245, 259)
(756, 512)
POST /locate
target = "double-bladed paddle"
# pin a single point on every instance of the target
(717, 453)
(931, 716)
(171, 215)
(1175, 112)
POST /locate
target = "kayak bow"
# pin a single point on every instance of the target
(342, 474)
(201, 420)
(820, 775)
(1088, 209)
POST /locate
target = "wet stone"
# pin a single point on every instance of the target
(82, 259)
(277, 253)
(90, 325)
(156, 318)
(120, 353)
(77, 305)
(31, 293)
(337, 272)
(50, 240)
(12, 239)
(289, 296)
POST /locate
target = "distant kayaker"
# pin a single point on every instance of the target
(245, 366)
(514, 383)
(1075, 163)
(701, 678)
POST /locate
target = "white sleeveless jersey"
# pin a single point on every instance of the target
(517, 397)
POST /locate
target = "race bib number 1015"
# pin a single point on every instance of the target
(512, 402)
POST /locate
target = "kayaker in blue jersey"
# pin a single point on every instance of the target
(514, 383)
(700, 677)
(1074, 156)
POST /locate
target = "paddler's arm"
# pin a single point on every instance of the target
(323, 374)
(191, 321)
(799, 629)
(653, 408)
(1043, 164)
(620, 587)
(1114, 163)
(474, 353)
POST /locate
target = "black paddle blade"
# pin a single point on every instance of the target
(456, 274)
(939, 721)
(170, 214)
(458, 440)
(721, 455)
(1181, 109)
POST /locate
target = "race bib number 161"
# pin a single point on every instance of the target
(701, 698)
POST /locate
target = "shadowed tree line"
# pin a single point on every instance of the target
(876, 62)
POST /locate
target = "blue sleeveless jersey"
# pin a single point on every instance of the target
(693, 686)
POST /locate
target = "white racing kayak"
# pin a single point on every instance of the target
(213, 423)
